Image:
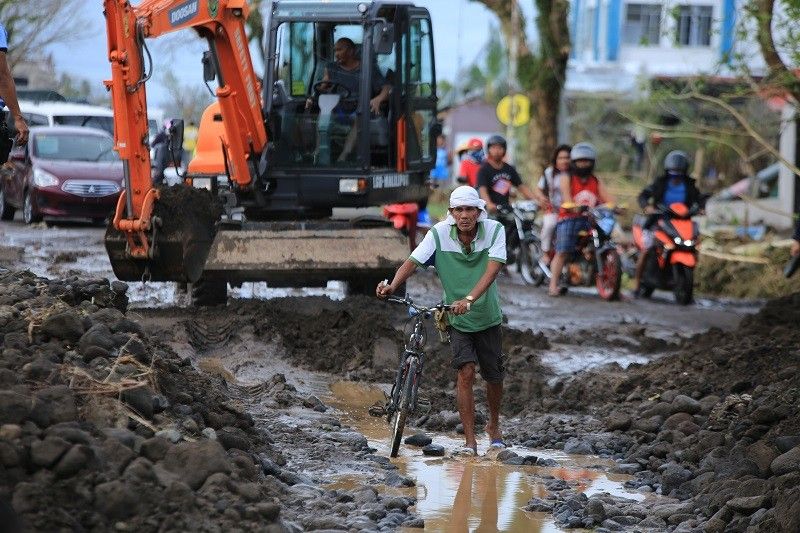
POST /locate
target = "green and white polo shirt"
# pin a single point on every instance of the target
(459, 272)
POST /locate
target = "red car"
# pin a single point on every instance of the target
(63, 172)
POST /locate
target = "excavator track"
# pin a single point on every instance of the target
(184, 222)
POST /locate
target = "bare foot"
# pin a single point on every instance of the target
(494, 433)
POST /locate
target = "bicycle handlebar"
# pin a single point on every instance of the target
(416, 307)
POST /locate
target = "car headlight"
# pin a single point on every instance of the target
(678, 240)
(688, 242)
(42, 178)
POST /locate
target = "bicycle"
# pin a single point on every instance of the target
(403, 399)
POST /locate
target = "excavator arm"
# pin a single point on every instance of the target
(221, 23)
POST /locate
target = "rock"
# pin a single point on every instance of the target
(506, 454)
(46, 452)
(577, 446)
(433, 450)
(393, 479)
(397, 502)
(194, 462)
(787, 462)
(52, 405)
(649, 425)
(268, 511)
(209, 433)
(787, 510)
(107, 316)
(312, 402)
(787, 442)
(233, 437)
(171, 434)
(652, 522)
(677, 419)
(762, 455)
(98, 335)
(125, 436)
(155, 448)
(419, 439)
(748, 504)
(618, 421)
(14, 407)
(627, 468)
(66, 325)
(595, 509)
(10, 432)
(78, 457)
(116, 500)
(538, 505)
(685, 404)
(766, 415)
(672, 477)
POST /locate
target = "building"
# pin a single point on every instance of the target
(617, 43)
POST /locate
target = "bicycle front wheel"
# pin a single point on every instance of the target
(399, 417)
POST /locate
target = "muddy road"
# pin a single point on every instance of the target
(607, 410)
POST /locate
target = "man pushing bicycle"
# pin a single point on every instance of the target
(468, 250)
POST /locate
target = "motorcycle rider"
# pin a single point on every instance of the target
(496, 177)
(674, 186)
(495, 180)
(584, 189)
(550, 199)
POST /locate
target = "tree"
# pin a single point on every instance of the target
(34, 25)
(542, 71)
(185, 101)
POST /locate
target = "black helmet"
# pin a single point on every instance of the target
(676, 162)
(496, 140)
(583, 150)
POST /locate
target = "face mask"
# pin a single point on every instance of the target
(583, 172)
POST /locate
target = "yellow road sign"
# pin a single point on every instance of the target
(514, 110)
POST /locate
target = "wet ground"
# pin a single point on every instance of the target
(453, 494)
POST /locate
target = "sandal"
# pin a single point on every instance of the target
(498, 443)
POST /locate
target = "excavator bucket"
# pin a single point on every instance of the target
(185, 222)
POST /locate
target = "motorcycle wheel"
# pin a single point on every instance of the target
(646, 291)
(683, 277)
(609, 279)
(528, 264)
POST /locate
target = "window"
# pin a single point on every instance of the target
(421, 67)
(89, 121)
(75, 147)
(642, 24)
(694, 25)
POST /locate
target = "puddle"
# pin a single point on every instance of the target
(477, 494)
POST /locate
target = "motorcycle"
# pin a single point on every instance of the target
(596, 260)
(523, 246)
(672, 257)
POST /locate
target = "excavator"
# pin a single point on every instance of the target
(285, 163)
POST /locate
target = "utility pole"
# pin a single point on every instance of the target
(513, 53)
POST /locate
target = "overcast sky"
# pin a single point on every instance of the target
(461, 28)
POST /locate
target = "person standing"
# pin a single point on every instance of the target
(8, 91)
(468, 250)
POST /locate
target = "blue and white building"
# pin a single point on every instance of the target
(618, 43)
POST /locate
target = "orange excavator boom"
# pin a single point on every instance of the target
(221, 23)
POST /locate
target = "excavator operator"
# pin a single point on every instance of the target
(343, 75)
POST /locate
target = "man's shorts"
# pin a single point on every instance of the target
(567, 231)
(483, 348)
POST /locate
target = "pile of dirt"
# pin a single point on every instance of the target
(746, 280)
(103, 427)
(714, 425)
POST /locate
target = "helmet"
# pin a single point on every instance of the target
(676, 162)
(475, 143)
(583, 150)
(496, 140)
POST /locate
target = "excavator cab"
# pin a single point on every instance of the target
(343, 117)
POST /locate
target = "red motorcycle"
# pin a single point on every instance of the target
(672, 256)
